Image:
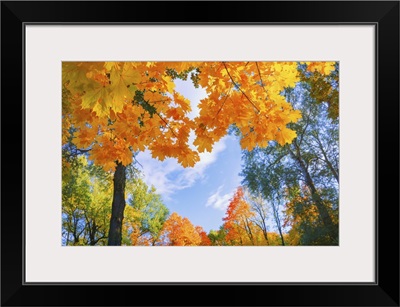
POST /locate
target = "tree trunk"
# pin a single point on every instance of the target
(248, 231)
(265, 234)
(323, 212)
(328, 163)
(281, 235)
(118, 206)
(277, 221)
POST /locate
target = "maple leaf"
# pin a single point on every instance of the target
(157, 152)
(121, 80)
(120, 96)
(84, 137)
(189, 159)
(248, 142)
(75, 74)
(80, 115)
(98, 99)
(285, 136)
(125, 156)
(169, 83)
(294, 116)
(112, 65)
(182, 66)
(153, 96)
(182, 102)
(203, 143)
(245, 93)
(100, 157)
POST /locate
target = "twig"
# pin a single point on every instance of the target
(244, 94)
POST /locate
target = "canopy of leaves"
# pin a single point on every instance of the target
(86, 203)
(112, 110)
(119, 108)
(303, 176)
(145, 214)
(179, 231)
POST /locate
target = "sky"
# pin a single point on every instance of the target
(201, 193)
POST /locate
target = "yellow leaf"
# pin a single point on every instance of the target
(183, 102)
(121, 80)
(329, 66)
(98, 99)
(75, 74)
(110, 65)
(182, 66)
(285, 136)
(125, 157)
(294, 116)
(203, 143)
(189, 159)
(248, 142)
(170, 83)
(130, 74)
(120, 96)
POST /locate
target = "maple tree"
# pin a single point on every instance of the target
(205, 240)
(113, 110)
(179, 231)
(238, 220)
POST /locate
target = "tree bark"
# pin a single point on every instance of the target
(277, 221)
(278, 225)
(265, 234)
(248, 230)
(323, 212)
(118, 206)
(281, 235)
(328, 163)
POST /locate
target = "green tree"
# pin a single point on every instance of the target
(86, 196)
(305, 169)
(145, 214)
(218, 237)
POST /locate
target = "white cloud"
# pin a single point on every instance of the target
(169, 176)
(187, 89)
(218, 200)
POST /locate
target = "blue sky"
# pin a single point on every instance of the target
(201, 193)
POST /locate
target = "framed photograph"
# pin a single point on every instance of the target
(178, 153)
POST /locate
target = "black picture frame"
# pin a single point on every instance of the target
(383, 14)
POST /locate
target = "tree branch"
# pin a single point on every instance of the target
(244, 94)
(262, 82)
(166, 123)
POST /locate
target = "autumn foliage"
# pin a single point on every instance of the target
(304, 221)
(119, 108)
(238, 223)
(179, 231)
(111, 111)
